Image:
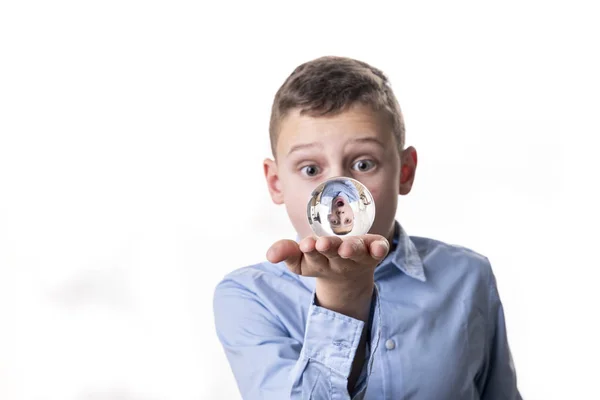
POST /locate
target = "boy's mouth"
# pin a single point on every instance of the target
(339, 202)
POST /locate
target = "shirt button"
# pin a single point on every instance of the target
(390, 345)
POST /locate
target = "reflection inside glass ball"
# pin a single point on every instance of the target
(341, 207)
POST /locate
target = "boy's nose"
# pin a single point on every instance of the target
(339, 171)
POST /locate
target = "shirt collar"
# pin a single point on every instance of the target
(403, 254)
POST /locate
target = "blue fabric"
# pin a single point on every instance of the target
(437, 331)
(340, 187)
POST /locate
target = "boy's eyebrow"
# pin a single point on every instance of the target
(303, 146)
(368, 139)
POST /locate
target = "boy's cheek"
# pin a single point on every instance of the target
(375, 193)
(299, 188)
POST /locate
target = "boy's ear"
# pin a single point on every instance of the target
(273, 182)
(408, 168)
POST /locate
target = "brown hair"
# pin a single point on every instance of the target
(329, 85)
(343, 231)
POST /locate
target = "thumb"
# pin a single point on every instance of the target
(288, 251)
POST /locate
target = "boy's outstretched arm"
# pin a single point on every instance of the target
(498, 378)
(267, 362)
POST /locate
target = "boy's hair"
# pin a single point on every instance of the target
(342, 231)
(329, 85)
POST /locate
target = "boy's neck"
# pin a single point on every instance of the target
(393, 238)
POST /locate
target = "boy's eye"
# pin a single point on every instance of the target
(363, 165)
(310, 170)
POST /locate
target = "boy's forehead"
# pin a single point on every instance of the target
(301, 130)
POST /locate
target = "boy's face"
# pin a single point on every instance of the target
(341, 218)
(357, 143)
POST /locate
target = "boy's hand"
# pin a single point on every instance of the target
(331, 257)
(344, 268)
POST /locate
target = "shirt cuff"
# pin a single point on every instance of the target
(331, 338)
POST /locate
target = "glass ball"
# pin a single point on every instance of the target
(341, 207)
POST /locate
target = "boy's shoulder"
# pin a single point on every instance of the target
(427, 245)
(439, 254)
(283, 296)
(256, 271)
(457, 271)
(257, 277)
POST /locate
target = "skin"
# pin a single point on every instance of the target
(342, 216)
(356, 143)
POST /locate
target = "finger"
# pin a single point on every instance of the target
(328, 246)
(365, 248)
(307, 244)
(379, 249)
(314, 263)
(282, 250)
(354, 248)
(308, 247)
(288, 251)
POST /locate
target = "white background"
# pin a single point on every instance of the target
(129, 131)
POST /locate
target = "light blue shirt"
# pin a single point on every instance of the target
(437, 331)
(344, 187)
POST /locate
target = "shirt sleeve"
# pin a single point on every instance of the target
(498, 379)
(268, 364)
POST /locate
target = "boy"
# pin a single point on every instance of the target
(379, 316)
